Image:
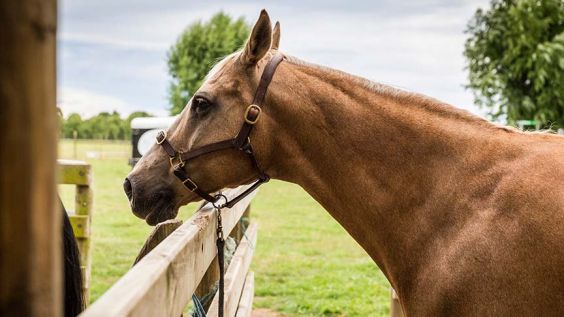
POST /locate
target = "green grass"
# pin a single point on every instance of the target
(305, 263)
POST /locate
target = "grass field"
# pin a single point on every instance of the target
(305, 263)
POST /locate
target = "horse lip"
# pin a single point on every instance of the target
(139, 214)
(152, 218)
(155, 217)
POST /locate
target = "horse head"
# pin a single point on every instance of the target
(215, 112)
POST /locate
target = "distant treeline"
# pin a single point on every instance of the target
(105, 125)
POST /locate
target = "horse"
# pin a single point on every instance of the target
(464, 217)
(74, 302)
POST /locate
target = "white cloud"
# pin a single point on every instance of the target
(88, 103)
(95, 38)
(116, 50)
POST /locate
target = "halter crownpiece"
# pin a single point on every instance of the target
(242, 142)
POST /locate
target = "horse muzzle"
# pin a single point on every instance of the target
(154, 205)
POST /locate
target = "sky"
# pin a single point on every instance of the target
(112, 54)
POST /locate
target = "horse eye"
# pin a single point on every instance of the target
(201, 105)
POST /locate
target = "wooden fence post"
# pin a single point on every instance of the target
(79, 173)
(395, 306)
(74, 149)
(83, 210)
(161, 231)
(30, 219)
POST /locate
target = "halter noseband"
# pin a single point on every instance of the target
(241, 142)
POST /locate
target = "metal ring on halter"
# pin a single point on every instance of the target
(218, 197)
(178, 163)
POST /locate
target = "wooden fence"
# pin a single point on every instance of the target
(166, 275)
(177, 260)
(79, 173)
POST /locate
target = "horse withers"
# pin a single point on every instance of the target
(464, 217)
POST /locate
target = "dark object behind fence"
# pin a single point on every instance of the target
(74, 299)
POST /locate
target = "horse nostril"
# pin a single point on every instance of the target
(128, 188)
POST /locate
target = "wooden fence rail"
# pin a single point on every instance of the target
(79, 173)
(163, 281)
(246, 302)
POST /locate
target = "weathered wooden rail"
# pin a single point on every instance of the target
(166, 275)
(79, 173)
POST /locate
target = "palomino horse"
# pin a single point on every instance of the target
(465, 218)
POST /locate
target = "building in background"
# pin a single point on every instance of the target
(143, 133)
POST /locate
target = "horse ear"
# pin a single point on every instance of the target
(276, 36)
(259, 42)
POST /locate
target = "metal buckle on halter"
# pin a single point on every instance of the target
(163, 134)
(247, 112)
(179, 163)
(191, 182)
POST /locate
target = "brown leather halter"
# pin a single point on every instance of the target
(241, 142)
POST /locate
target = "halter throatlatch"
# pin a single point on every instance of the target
(242, 142)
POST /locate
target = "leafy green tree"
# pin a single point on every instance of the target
(196, 50)
(85, 130)
(138, 114)
(72, 123)
(114, 127)
(515, 58)
(97, 125)
(105, 125)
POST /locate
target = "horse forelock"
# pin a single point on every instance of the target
(220, 64)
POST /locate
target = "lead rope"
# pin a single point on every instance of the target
(220, 259)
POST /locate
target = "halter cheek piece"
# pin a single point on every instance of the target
(241, 142)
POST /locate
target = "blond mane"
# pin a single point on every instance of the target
(405, 97)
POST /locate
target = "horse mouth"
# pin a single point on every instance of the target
(159, 215)
(151, 196)
(160, 207)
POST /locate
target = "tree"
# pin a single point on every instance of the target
(196, 50)
(104, 125)
(515, 58)
(137, 114)
(73, 123)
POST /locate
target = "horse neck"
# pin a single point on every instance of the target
(374, 158)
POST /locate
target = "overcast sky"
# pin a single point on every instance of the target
(112, 54)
